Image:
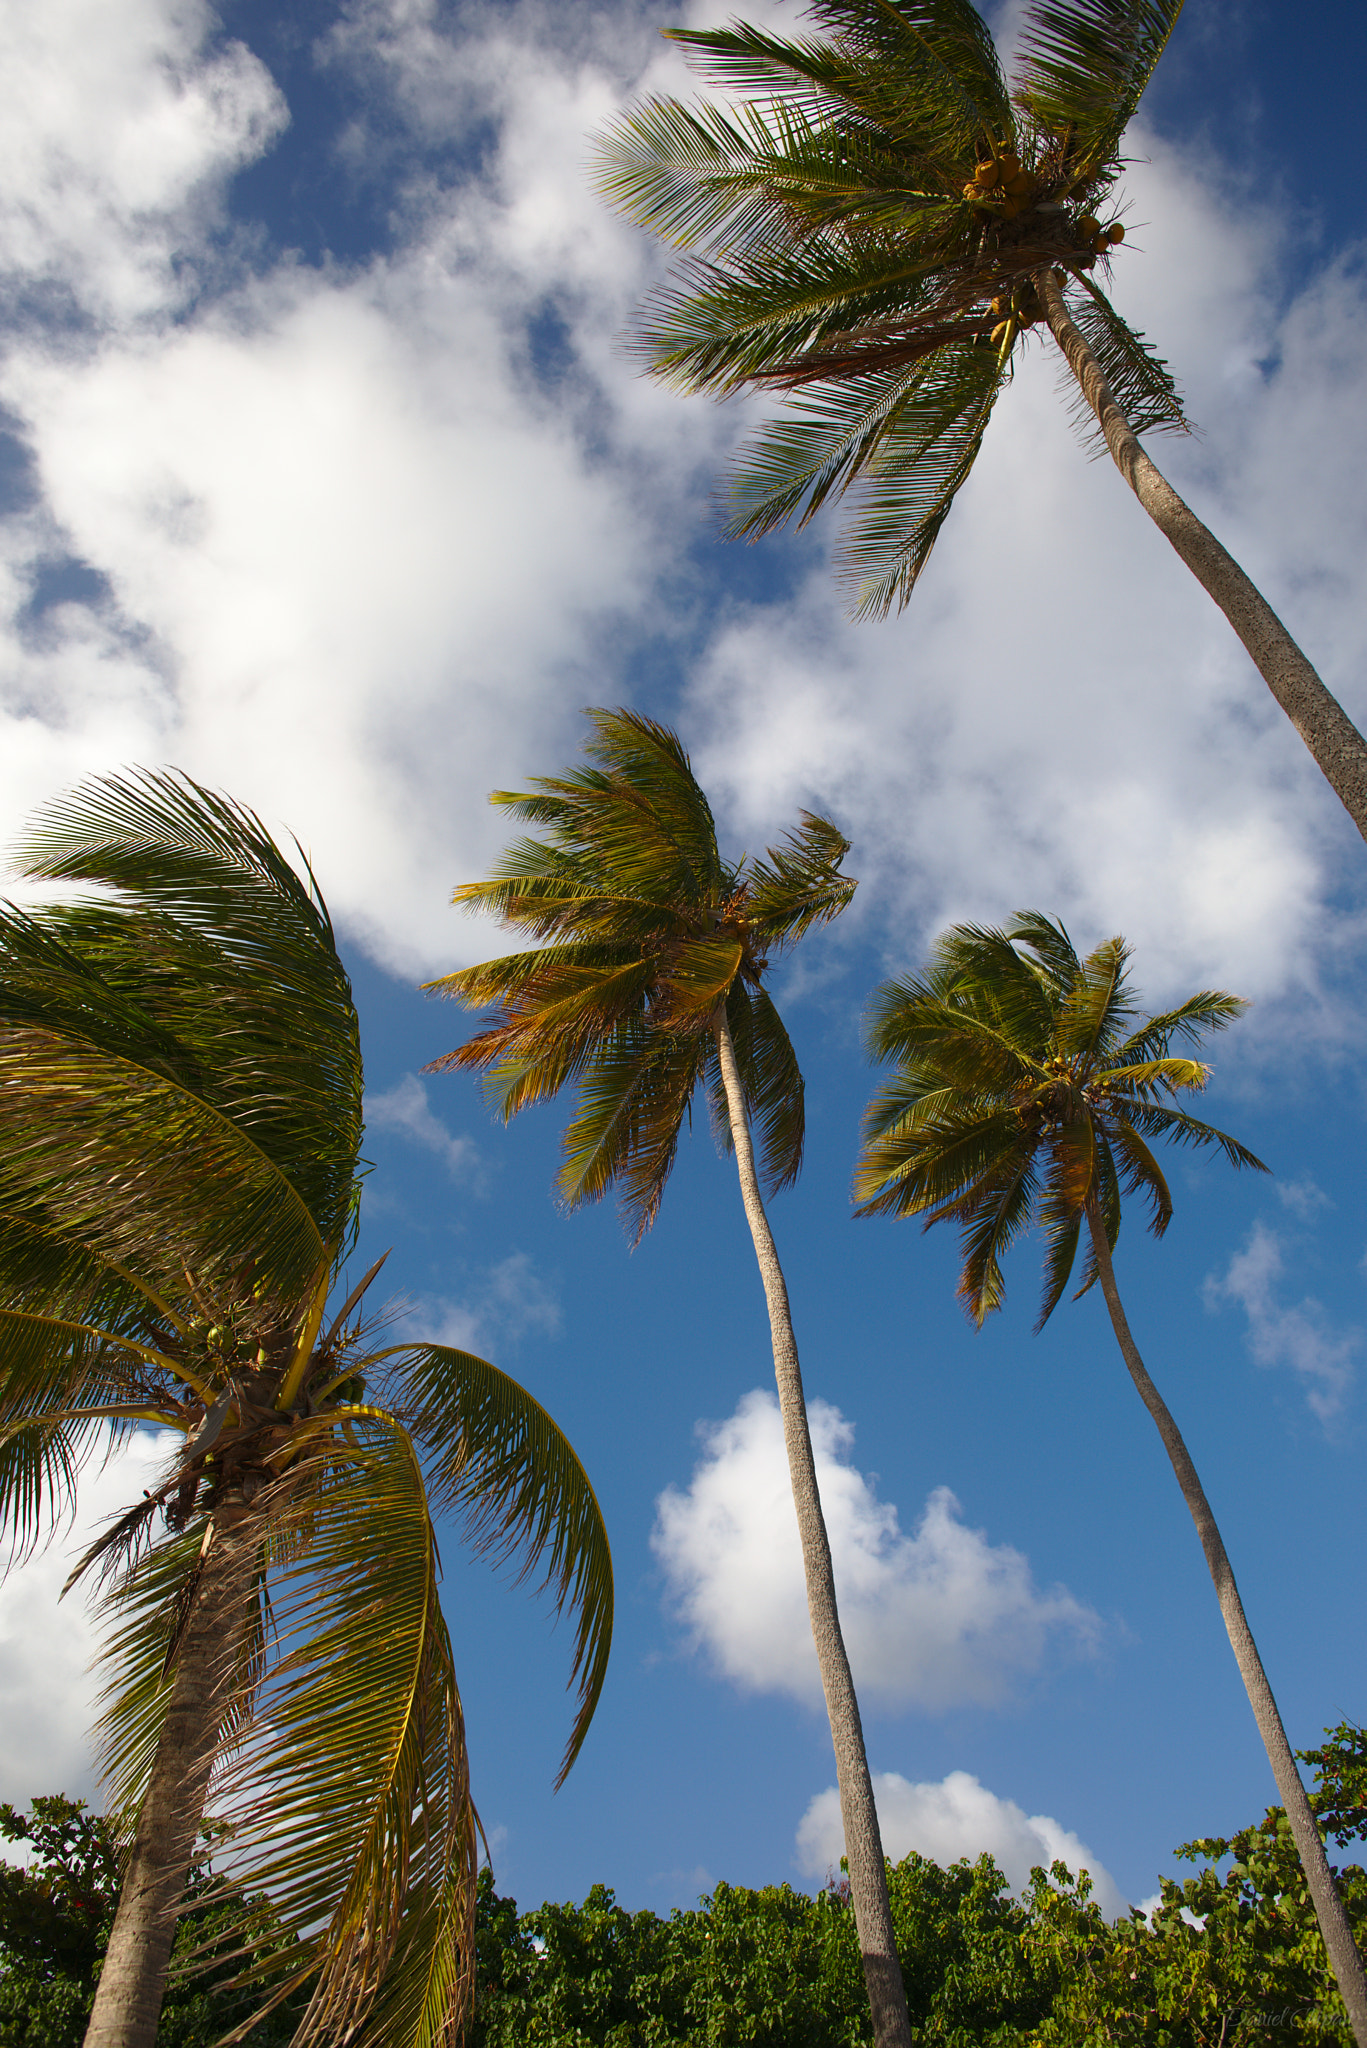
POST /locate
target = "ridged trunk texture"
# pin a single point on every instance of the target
(859, 1815)
(133, 1980)
(1344, 1959)
(1338, 747)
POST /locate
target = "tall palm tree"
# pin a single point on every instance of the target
(875, 229)
(1027, 1088)
(648, 984)
(180, 1125)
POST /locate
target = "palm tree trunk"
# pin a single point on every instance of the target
(1335, 742)
(859, 1815)
(1344, 1959)
(133, 1979)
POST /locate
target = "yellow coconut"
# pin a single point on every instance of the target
(987, 175)
(1010, 163)
(1088, 225)
(1115, 232)
(971, 193)
(1020, 185)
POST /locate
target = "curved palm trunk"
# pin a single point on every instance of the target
(1338, 747)
(859, 1815)
(1344, 1959)
(133, 1980)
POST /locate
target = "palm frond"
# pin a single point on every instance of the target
(1212, 1009)
(262, 999)
(497, 1461)
(798, 884)
(1084, 65)
(1141, 383)
(906, 439)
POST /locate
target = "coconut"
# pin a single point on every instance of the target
(1020, 185)
(1115, 232)
(1088, 225)
(987, 175)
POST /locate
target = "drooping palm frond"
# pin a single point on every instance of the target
(1141, 383)
(1085, 64)
(495, 1459)
(1022, 1096)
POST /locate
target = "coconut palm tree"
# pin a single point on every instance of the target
(874, 230)
(647, 984)
(1027, 1089)
(180, 1125)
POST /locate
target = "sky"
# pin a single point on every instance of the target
(324, 477)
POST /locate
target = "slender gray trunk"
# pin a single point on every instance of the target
(859, 1815)
(1344, 1959)
(133, 1979)
(1338, 747)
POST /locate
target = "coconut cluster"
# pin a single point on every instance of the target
(1002, 182)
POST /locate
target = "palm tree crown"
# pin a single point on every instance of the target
(181, 1117)
(1027, 1086)
(869, 226)
(650, 936)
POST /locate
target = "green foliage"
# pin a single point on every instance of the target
(778, 1969)
(865, 232)
(55, 1916)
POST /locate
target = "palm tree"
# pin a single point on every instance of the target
(180, 1124)
(648, 984)
(875, 228)
(1027, 1087)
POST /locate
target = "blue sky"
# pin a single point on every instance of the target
(323, 479)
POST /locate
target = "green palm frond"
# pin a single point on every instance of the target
(905, 440)
(633, 1100)
(497, 1461)
(798, 884)
(1096, 1004)
(1210, 1010)
(79, 1126)
(931, 66)
(1084, 66)
(1141, 383)
(262, 1000)
(775, 1090)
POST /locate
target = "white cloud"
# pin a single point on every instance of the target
(505, 1303)
(954, 1819)
(1303, 1197)
(47, 1690)
(1300, 1336)
(404, 1108)
(119, 131)
(931, 1620)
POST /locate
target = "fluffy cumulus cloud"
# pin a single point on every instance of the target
(355, 539)
(954, 1819)
(937, 1618)
(1298, 1335)
(47, 1687)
